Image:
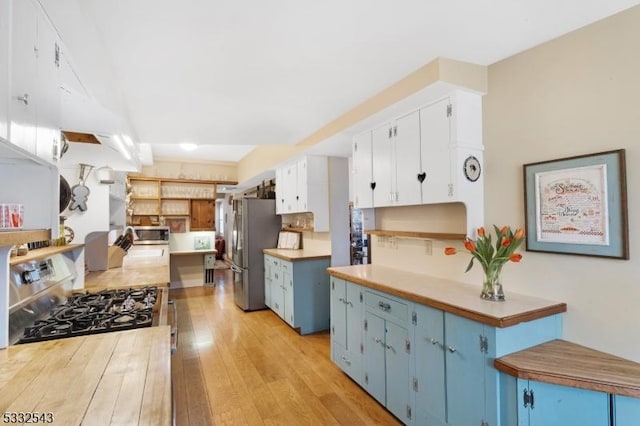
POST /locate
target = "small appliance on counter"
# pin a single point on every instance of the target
(150, 235)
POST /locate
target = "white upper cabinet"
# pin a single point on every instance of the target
(362, 171)
(427, 156)
(303, 186)
(406, 141)
(383, 165)
(34, 100)
(396, 162)
(22, 110)
(4, 68)
(435, 168)
(48, 90)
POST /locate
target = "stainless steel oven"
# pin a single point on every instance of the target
(151, 234)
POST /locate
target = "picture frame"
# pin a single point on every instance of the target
(578, 205)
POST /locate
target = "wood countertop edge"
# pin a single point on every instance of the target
(41, 253)
(566, 380)
(500, 322)
(186, 252)
(11, 237)
(283, 256)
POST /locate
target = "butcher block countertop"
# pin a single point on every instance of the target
(142, 266)
(564, 363)
(451, 296)
(112, 378)
(41, 253)
(293, 255)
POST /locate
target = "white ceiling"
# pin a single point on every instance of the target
(238, 73)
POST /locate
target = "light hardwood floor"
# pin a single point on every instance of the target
(233, 367)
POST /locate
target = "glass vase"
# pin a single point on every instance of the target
(492, 285)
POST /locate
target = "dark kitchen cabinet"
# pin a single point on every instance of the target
(203, 215)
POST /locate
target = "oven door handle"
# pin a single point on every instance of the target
(174, 327)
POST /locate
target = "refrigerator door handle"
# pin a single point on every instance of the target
(236, 269)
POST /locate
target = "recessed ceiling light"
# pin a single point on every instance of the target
(188, 146)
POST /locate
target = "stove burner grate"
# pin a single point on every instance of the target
(92, 313)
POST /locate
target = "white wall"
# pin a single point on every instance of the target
(574, 95)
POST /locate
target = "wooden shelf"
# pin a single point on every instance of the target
(177, 180)
(297, 229)
(41, 253)
(419, 235)
(10, 238)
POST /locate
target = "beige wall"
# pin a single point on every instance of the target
(578, 94)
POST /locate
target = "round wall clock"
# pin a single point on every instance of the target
(472, 168)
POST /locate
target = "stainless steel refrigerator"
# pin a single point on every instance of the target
(255, 227)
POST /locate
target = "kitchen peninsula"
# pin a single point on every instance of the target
(423, 346)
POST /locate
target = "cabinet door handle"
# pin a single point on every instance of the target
(451, 349)
(348, 302)
(384, 306)
(390, 347)
(378, 341)
(432, 340)
(341, 300)
(24, 98)
(372, 185)
(421, 177)
(346, 360)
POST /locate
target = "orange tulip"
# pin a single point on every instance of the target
(506, 242)
(469, 245)
(515, 257)
(519, 234)
(504, 230)
(481, 231)
(450, 250)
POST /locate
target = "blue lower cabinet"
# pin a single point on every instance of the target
(465, 363)
(545, 404)
(626, 411)
(374, 357)
(428, 361)
(300, 292)
(387, 353)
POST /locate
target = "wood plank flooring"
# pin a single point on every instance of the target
(233, 367)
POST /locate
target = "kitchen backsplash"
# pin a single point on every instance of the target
(187, 241)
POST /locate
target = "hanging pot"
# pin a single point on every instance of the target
(65, 194)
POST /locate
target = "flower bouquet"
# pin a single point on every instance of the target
(492, 256)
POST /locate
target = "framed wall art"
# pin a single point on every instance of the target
(578, 205)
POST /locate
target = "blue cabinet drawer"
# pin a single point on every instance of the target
(386, 307)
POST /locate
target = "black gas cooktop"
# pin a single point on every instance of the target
(92, 313)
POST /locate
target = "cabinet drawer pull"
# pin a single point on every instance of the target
(384, 306)
(451, 349)
(432, 340)
(24, 98)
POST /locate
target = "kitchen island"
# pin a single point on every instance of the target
(110, 378)
(142, 266)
